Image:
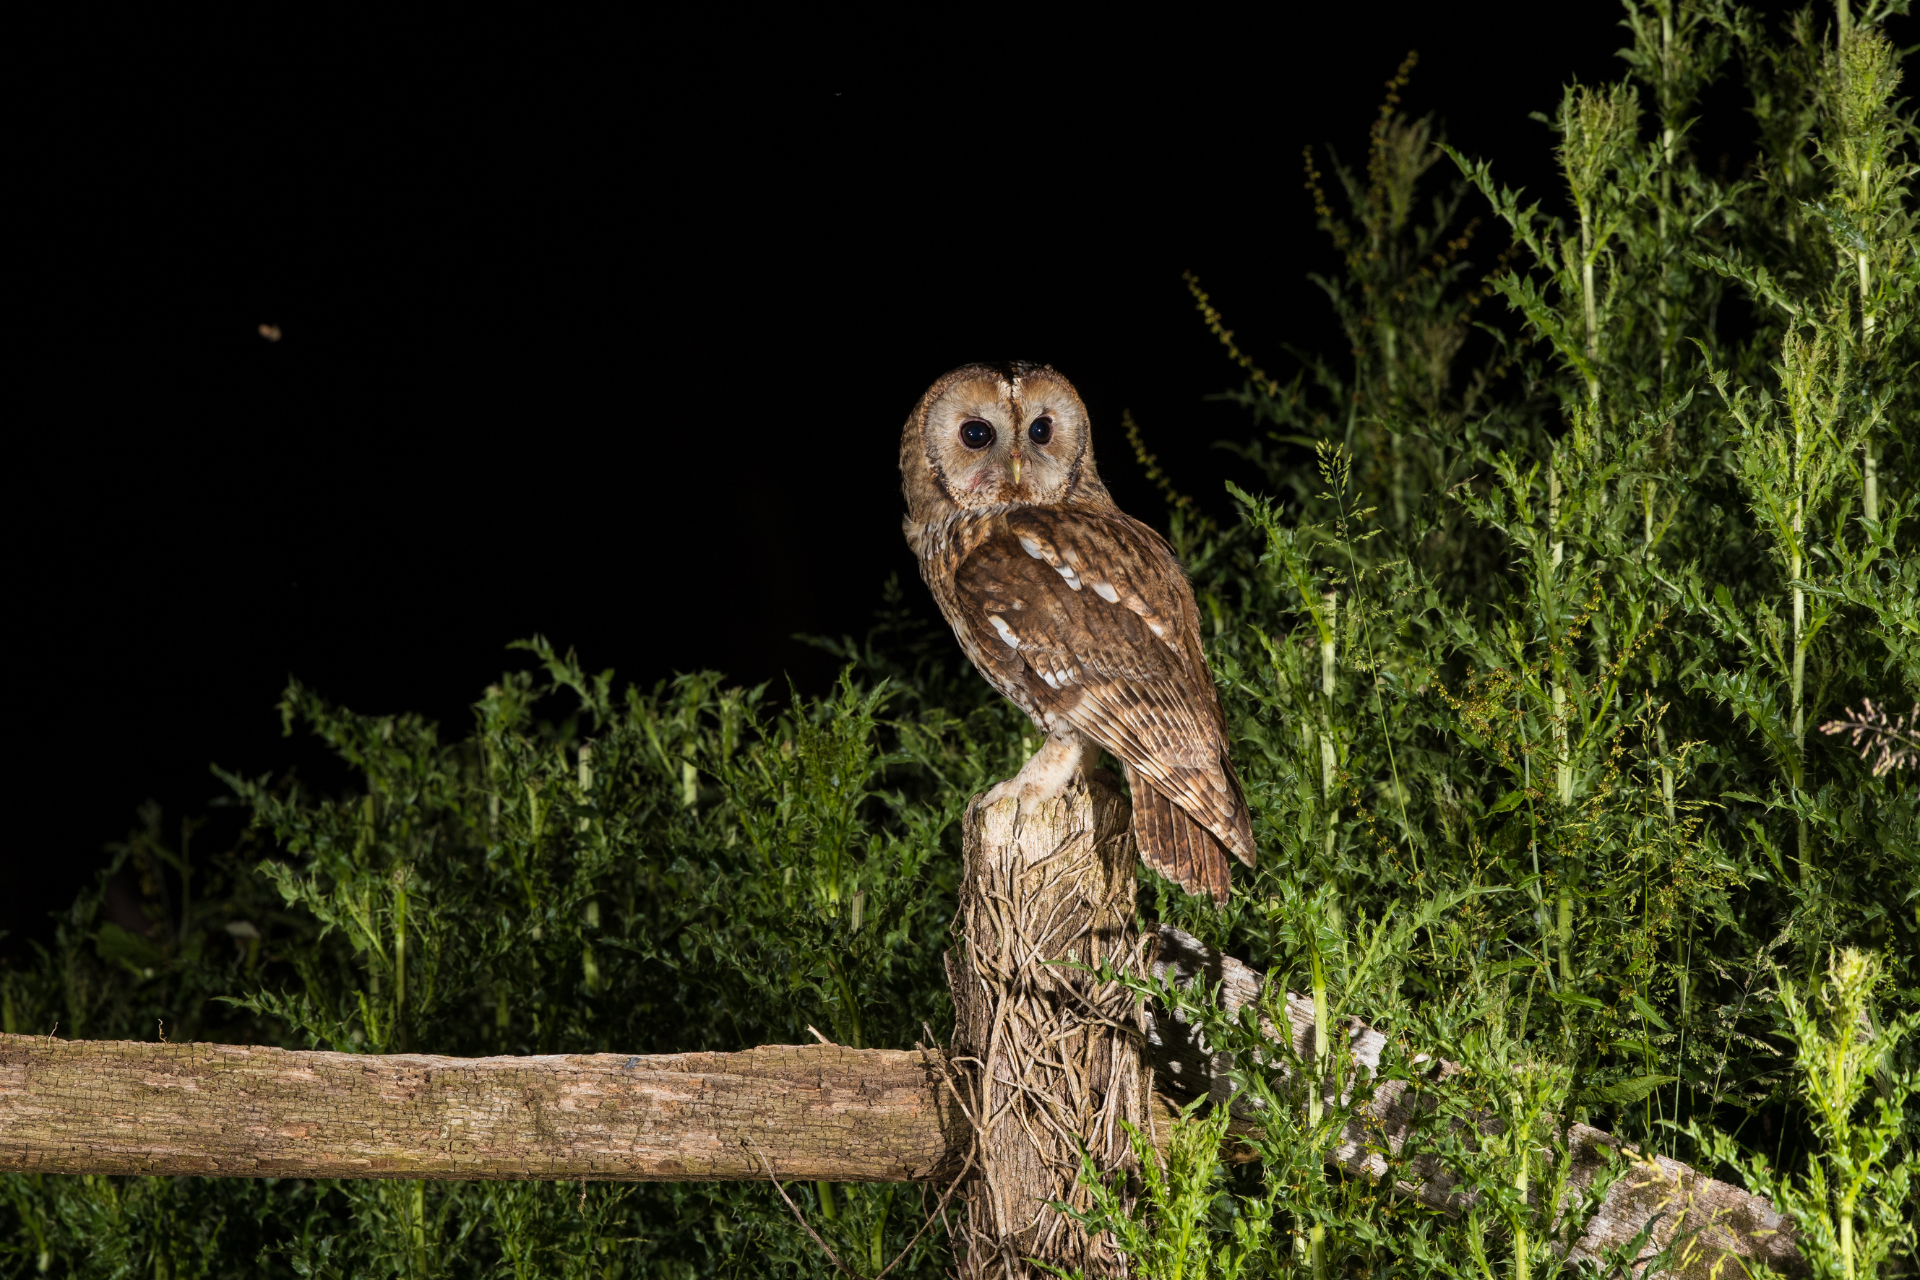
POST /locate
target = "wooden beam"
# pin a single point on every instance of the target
(813, 1111)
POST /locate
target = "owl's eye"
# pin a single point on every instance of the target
(975, 434)
(1041, 431)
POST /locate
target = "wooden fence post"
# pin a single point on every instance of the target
(1049, 1056)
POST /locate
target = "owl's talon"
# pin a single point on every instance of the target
(1025, 795)
(1000, 791)
(1046, 774)
(1005, 787)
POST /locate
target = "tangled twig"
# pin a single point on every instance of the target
(1898, 738)
(805, 1225)
(1045, 927)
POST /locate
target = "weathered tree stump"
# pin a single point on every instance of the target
(1049, 1056)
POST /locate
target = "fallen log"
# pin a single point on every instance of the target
(1714, 1219)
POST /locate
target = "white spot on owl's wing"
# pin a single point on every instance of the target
(1157, 629)
(1106, 592)
(1011, 640)
(1032, 548)
(1048, 676)
(1066, 571)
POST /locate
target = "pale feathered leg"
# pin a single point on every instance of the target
(1044, 775)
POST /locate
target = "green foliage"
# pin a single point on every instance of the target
(1848, 1204)
(1520, 641)
(1525, 636)
(590, 870)
(1173, 1236)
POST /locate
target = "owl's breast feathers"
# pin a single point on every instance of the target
(1085, 616)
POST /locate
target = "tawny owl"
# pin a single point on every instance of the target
(1072, 609)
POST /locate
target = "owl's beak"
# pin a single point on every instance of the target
(1013, 466)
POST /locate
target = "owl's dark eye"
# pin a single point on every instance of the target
(1041, 431)
(975, 434)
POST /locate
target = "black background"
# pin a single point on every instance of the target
(608, 334)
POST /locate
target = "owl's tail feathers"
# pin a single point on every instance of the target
(1240, 834)
(1177, 846)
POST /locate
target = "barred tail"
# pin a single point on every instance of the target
(1177, 846)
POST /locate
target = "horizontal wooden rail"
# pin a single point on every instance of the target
(806, 1111)
(812, 1111)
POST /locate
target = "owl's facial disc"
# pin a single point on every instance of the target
(994, 441)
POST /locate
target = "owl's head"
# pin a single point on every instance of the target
(987, 434)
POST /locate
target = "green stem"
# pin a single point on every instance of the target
(1520, 1248)
(1846, 1239)
(1553, 511)
(1563, 762)
(1666, 774)
(1666, 200)
(418, 1226)
(1870, 481)
(878, 1238)
(1566, 936)
(1563, 765)
(1799, 693)
(1322, 1040)
(855, 1030)
(1328, 640)
(399, 952)
(1592, 309)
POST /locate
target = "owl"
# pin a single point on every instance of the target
(1072, 609)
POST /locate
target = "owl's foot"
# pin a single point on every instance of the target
(1047, 771)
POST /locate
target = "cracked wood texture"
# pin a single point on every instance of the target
(815, 1111)
(1730, 1226)
(1049, 1056)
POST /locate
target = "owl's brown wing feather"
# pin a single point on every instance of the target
(1086, 616)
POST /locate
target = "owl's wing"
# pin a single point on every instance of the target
(1092, 616)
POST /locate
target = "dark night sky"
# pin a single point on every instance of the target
(610, 337)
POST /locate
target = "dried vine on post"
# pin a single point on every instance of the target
(1051, 1052)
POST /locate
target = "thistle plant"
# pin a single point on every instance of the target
(1807, 451)
(1633, 564)
(1174, 1230)
(1852, 1206)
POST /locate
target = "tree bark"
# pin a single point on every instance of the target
(1049, 1055)
(812, 1111)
